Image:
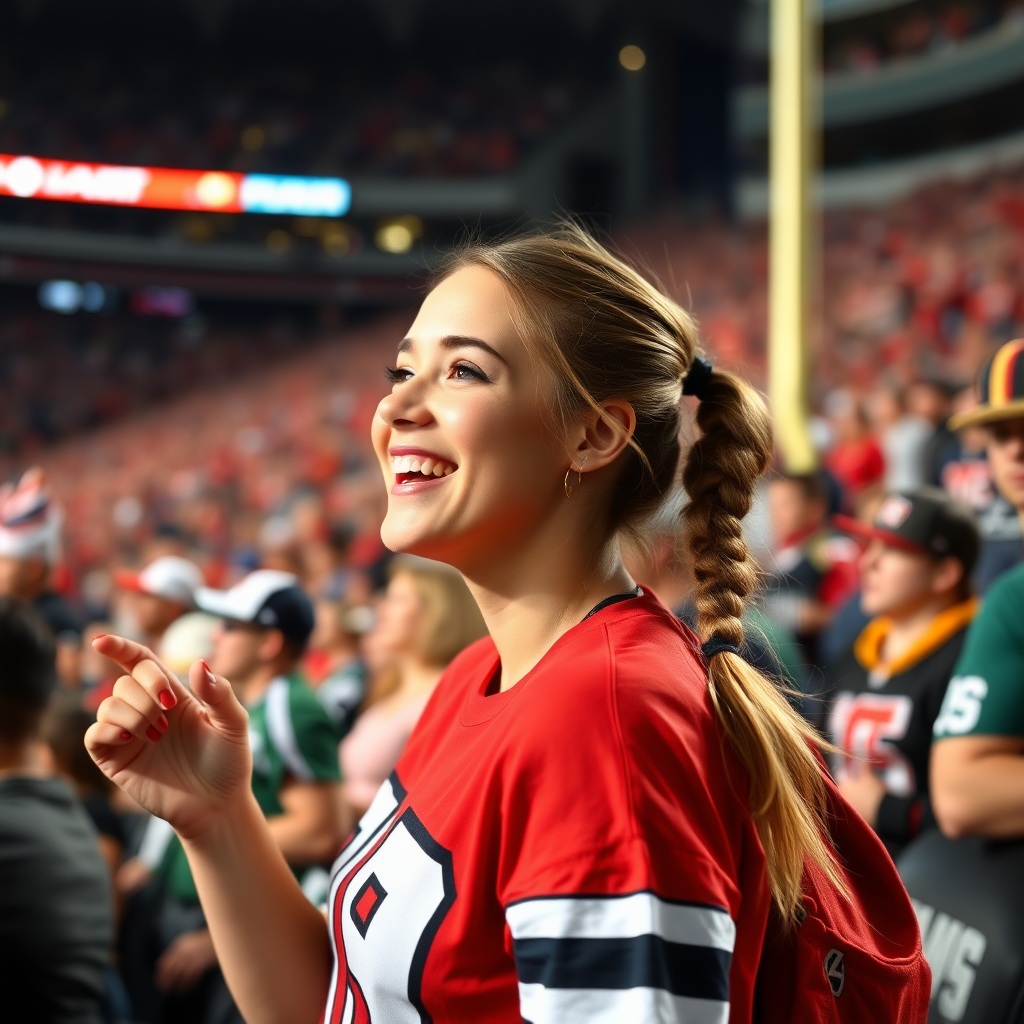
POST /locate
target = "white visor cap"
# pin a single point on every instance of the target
(244, 601)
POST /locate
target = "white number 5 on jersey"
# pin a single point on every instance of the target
(961, 707)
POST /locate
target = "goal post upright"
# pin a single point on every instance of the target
(790, 173)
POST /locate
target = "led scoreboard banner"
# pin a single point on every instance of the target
(164, 188)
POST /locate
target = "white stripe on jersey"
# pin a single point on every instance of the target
(540, 1005)
(621, 917)
(384, 805)
(346, 1014)
(282, 732)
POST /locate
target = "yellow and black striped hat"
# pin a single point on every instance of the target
(1000, 388)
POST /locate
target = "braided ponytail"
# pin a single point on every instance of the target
(787, 794)
(606, 332)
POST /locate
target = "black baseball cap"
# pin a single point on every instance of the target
(265, 597)
(925, 519)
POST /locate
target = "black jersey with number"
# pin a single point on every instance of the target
(883, 714)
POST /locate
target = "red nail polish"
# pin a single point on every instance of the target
(166, 699)
(209, 671)
(125, 734)
(162, 724)
(152, 733)
(99, 636)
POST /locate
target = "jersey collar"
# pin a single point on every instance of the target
(868, 647)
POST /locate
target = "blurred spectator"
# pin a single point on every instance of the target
(931, 402)
(856, 459)
(266, 623)
(978, 758)
(886, 688)
(426, 617)
(964, 471)
(64, 731)
(65, 727)
(904, 438)
(164, 591)
(186, 640)
(335, 668)
(56, 920)
(663, 566)
(813, 568)
(30, 526)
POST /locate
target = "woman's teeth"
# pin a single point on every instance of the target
(419, 464)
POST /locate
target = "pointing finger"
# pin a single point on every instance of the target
(130, 655)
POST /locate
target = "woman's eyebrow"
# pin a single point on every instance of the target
(456, 341)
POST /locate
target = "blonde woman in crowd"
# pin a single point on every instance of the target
(596, 812)
(426, 618)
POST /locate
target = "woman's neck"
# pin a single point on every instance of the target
(529, 598)
(906, 629)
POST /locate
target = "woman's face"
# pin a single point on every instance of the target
(399, 616)
(464, 439)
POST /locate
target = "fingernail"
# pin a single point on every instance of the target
(152, 733)
(125, 734)
(167, 699)
(209, 671)
(99, 636)
(162, 724)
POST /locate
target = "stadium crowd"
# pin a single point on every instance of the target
(238, 522)
(926, 29)
(913, 291)
(304, 119)
(866, 46)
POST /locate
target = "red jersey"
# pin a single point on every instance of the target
(575, 849)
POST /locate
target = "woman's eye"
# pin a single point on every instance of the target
(397, 375)
(467, 371)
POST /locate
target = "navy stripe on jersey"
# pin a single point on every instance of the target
(645, 961)
(634, 957)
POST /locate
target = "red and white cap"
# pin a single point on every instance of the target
(169, 577)
(30, 521)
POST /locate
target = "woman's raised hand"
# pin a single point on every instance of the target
(184, 756)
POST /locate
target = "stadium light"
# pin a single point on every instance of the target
(69, 297)
(165, 188)
(397, 236)
(632, 58)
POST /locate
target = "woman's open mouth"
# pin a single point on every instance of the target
(410, 470)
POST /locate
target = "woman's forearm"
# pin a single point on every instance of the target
(271, 942)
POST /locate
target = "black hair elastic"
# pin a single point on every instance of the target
(715, 645)
(697, 378)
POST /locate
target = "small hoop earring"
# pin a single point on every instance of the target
(569, 489)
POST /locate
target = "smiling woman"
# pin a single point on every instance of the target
(595, 812)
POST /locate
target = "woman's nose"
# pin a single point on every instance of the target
(405, 406)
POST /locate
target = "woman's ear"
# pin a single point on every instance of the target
(604, 435)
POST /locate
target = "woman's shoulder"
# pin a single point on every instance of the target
(648, 655)
(632, 667)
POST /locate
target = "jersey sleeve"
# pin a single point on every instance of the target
(985, 696)
(303, 734)
(617, 895)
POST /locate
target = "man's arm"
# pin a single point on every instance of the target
(977, 785)
(310, 829)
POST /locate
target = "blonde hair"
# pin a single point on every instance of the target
(608, 333)
(451, 618)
